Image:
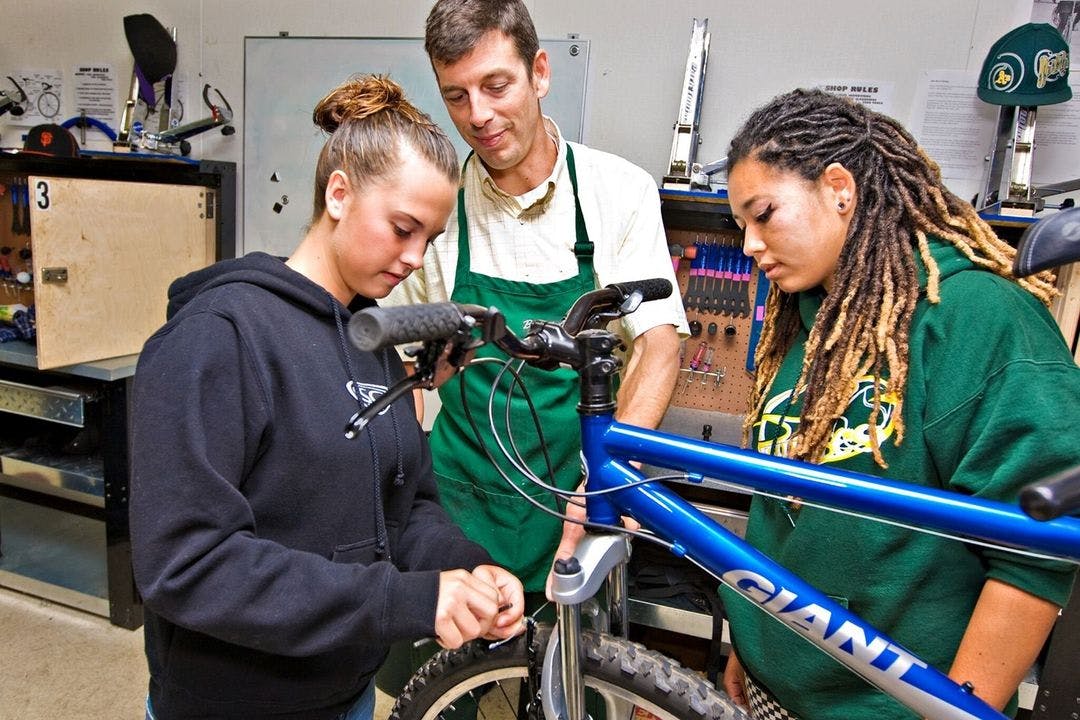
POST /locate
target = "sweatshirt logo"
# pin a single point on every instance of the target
(366, 393)
(849, 438)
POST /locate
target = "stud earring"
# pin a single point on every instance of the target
(840, 205)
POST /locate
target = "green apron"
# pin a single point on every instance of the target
(519, 536)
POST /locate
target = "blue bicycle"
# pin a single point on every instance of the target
(546, 672)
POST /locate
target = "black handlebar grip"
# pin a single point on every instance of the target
(376, 327)
(651, 289)
(1053, 497)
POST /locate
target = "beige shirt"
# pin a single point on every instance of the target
(531, 237)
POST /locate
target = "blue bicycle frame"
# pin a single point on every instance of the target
(609, 445)
(608, 448)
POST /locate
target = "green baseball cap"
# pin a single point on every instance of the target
(1027, 66)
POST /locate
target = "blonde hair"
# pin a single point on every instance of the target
(370, 122)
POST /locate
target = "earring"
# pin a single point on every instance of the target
(840, 205)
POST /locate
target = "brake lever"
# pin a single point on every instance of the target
(405, 385)
(427, 357)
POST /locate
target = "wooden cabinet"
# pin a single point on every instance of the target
(104, 253)
(99, 240)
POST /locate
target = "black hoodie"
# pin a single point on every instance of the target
(277, 560)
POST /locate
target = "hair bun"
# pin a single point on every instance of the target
(358, 98)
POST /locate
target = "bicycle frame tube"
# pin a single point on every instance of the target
(904, 502)
(831, 627)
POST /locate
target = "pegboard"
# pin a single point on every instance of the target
(16, 272)
(725, 329)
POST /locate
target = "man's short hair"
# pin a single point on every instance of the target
(454, 27)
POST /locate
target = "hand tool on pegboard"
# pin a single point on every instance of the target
(758, 319)
(694, 279)
(695, 362)
(719, 284)
(713, 280)
(14, 192)
(746, 267)
(678, 252)
(730, 274)
(26, 207)
(706, 364)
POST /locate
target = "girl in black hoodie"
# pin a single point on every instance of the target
(278, 560)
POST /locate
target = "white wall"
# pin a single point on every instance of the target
(638, 52)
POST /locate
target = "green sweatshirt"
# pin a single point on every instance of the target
(992, 403)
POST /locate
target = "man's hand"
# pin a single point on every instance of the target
(444, 369)
(573, 532)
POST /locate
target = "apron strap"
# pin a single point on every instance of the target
(583, 246)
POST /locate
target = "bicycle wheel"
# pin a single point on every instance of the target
(621, 676)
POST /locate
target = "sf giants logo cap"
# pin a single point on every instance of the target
(1028, 66)
(51, 140)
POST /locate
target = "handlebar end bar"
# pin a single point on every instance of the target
(1053, 497)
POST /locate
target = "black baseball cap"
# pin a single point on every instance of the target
(50, 139)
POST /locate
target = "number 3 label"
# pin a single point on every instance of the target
(41, 194)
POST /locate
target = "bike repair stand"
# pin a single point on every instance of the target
(1014, 147)
(685, 143)
(1026, 68)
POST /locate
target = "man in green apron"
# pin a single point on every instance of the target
(539, 221)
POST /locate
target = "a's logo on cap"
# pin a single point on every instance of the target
(1006, 73)
(1050, 66)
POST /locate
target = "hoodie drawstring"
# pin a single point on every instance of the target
(380, 519)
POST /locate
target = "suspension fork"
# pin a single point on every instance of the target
(574, 581)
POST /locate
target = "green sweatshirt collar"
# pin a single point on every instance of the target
(948, 257)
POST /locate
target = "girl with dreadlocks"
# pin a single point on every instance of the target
(896, 342)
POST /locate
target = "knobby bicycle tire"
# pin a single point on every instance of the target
(623, 675)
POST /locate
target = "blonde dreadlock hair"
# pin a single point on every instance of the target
(864, 322)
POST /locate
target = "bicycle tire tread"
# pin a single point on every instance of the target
(664, 675)
(630, 666)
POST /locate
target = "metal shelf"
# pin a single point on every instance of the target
(77, 478)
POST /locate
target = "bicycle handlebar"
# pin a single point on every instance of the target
(1053, 497)
(379, 327)
(375, 328)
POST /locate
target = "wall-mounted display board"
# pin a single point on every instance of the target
(285, 76)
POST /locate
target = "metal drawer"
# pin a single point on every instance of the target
(54, 404)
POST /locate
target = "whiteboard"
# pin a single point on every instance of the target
(284, 77)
